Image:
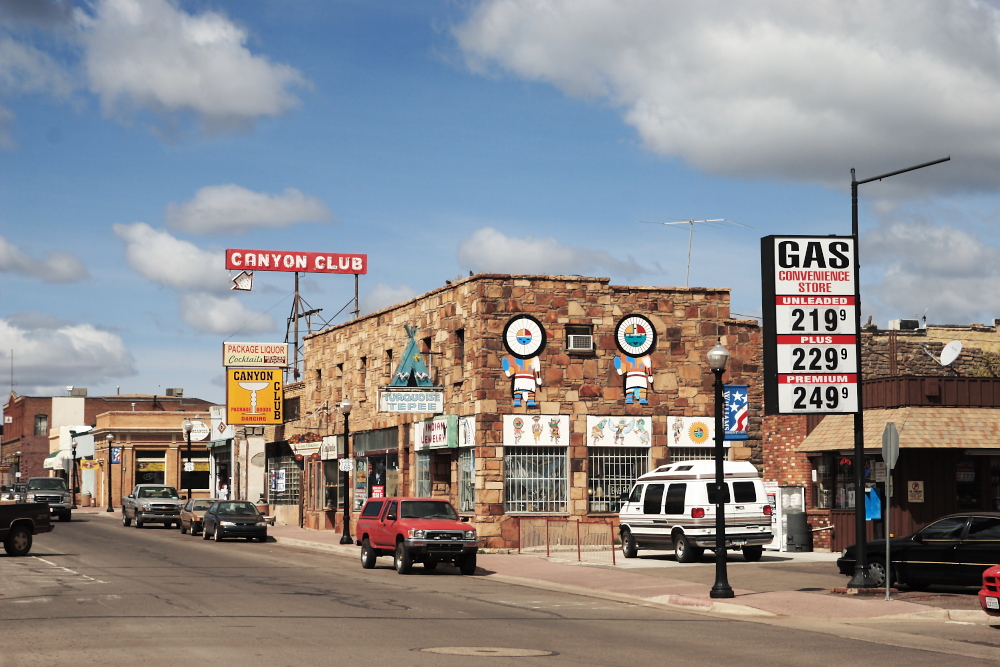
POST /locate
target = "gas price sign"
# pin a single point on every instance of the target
(810, 325)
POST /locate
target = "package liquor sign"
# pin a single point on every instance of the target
(810, 324)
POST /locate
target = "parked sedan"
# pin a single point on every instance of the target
(234, 518)
(989, 594)
(954, 550)
(192, 514)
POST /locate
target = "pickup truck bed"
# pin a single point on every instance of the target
(20, 522)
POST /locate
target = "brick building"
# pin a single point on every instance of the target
(35, 431)
(947, 418)
(557, 430)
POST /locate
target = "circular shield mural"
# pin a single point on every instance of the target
(524, 337)
(635, 335)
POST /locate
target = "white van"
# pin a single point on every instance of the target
(673, 507)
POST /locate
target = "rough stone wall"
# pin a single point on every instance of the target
(688, 322)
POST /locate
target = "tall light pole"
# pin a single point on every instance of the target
(345, 474)
(860, 579)
(107, 464)
(188, 425)
(72, 435)
(718, 357)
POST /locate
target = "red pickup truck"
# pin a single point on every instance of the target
(415, 530)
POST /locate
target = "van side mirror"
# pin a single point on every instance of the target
(390, 516)
(623, 497)
(464, 519)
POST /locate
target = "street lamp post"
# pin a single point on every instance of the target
(107, 464)
(860, 579)
(73, 473)
(345, 476)
(188, 425)
(718, 357)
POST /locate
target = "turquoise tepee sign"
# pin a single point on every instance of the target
(412, 371)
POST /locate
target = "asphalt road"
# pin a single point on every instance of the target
(96, 593)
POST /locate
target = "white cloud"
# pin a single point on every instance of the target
(231, 209)
(382, 296)
(151, 54)
(57, 267)
(223, 316)
(943, 271)
(25, 69)
(490, 251)
(49, 355)
(174, 263)
(774, 88)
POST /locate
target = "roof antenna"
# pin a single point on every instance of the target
(716, 223)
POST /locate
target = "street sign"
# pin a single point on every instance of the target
(199, 430)
(346, 465)
(810, 325)
(890, 445)
(189, 466)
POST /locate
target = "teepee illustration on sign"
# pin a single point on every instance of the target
(412, 371)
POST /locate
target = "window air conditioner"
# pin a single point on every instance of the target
(579, 343)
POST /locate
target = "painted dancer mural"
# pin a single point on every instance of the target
(524, 338)
(635, 338)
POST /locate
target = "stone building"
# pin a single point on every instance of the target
(543, 413)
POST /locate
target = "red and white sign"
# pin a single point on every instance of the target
(305, 262)
(810, 325)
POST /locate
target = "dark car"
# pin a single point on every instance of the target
(234, 518)
(953, 550)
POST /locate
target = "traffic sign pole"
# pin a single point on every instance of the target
(890, 452)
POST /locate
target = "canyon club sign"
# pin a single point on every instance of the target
(306, 262)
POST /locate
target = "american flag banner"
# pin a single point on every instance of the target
(736, 411)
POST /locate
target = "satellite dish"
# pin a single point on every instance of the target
(950, 352)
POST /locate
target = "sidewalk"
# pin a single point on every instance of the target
(627, 583)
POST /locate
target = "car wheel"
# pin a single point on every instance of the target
(125, 520)
(194, 528)
(430, 565)
(467, 565)
(629, 548)
(217, 534)
(367, 555)
(401, 560)
(262, 539)
(753, 552)
(138, 521)
(180, 524)
(204, 533)
(877, 573)
(66, 517)
(685, 551)
(18, 542)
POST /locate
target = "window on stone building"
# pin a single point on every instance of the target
(695, 454)
(41, 424)
(423, 475)
(611, 472)
(536, 479)
(460, 349)
(466, 480)
(579, 338)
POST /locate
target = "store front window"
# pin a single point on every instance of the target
(151, 466)
(834, 475)
(466, 480)
(197, 479)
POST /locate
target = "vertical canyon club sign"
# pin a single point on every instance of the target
(255, 354)
(810, 324)
(305, 262)
(254, 396)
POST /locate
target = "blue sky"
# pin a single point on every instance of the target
(141, 138)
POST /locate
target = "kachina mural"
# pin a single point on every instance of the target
(635, 338)
(524, 338)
